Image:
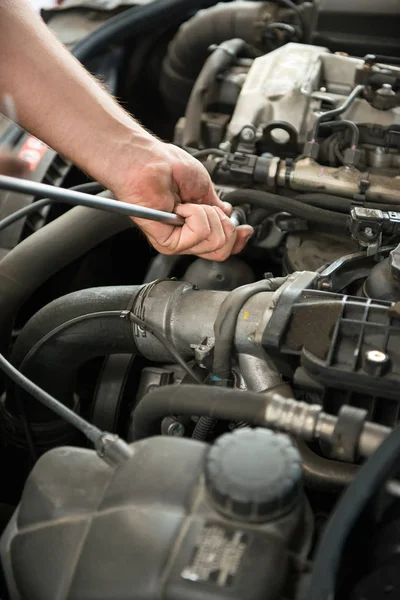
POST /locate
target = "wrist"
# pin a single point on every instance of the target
(128, 149)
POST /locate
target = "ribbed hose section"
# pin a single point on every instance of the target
(203, 428)
(46, 252)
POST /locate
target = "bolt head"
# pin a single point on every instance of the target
(247, 134)
(176, 429)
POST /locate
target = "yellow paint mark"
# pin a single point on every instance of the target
(246, 315)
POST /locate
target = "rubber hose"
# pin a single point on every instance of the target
(189, 48)
(188, 400)
(68, 332)
(222, 57)
(203, 428)
(226, 321)
(338, 204)
(322, 474)
(274, 202)
(41, 255)
(135, 21)
(370, 479)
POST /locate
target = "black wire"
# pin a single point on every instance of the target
(207, 151)
(167, 344)
(89, 430)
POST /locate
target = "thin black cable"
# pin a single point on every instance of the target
(90, 431)
(167, 344)
(214, 151)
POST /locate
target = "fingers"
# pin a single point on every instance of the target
(243, 234)
(207, 232)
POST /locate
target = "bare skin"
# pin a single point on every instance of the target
(60, 103)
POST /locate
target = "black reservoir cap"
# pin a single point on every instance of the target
(254, 475)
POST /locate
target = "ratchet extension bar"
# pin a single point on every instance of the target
(42, 190)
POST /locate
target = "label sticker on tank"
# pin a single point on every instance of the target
(217, 556)
(32, 152)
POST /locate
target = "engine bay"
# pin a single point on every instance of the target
(248, 409)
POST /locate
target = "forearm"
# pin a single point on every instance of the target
(57, 100)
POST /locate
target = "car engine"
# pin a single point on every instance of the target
(244, 414)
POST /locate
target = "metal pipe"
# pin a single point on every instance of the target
(306, 175)
(331, 114)
(43, 190)
(309, 422)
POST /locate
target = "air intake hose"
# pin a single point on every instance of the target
(190, 47)
(47, 251)
(67, 333)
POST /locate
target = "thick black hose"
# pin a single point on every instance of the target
(208, 401)
(369, 480)
(230, 405)
(41, 255)
(339, 204)
(135, 21)
(273, 202)
(203, 428)
(226, 321)
(190, 47)
(322, 474)
(221, 58)
(67, 333)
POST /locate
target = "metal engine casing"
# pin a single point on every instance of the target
(294, 83)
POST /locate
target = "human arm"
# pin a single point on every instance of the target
(59, 102)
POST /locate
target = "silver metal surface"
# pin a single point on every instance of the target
(371, 438)
(296, 84)
(287, 414)
(308, 175)
(43, 190)
(376, 356)
(260, 375)
(272, 90)
(186, 317)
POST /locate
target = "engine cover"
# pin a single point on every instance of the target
(294, 84)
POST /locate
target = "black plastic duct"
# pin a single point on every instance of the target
(44, 253)
(190, 47)
(68, 332)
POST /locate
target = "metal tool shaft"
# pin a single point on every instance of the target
(23, 186)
